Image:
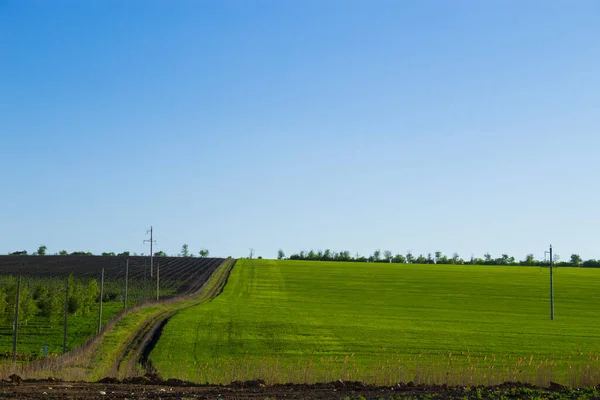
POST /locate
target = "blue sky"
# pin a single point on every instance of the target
(462, 126)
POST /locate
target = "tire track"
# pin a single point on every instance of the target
(139, 349)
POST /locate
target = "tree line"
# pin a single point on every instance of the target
(434, 258)
(42, 251)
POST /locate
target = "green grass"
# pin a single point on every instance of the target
(314, 321)
(114, 342)
(39, 332)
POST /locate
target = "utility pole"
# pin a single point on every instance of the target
(145, 284)
(101, 296)
(66, 316)
(158, 281)
(251, 253)
(16, 322)
(126, 278)
(151, 241)
(551, 288)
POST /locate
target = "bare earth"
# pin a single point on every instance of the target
(143, 388)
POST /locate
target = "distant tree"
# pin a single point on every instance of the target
(575, 260)
(18, 253)
(204, 253)
(259, 257)
(430, 259)
(399, 259)
(108, 254)
(591, 264)
(63, 253)
(409, 257)
(456, 259)
(421, 259)
(280, 254)
(160, 254)
(387, 256)
(81, 253)
(361, 259)
(529, 260)
(487, 258)
(344, 256)
(503, 260)
(185, 252)
(124, 254)
(327, 255)
(376, 255)
(311, 255)
(41, 251)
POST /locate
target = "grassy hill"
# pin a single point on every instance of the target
(314, 321)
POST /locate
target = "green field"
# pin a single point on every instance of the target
(39, 332)
(314, 321)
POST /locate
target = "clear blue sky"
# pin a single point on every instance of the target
(467, 126)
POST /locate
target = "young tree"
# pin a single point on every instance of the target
(185, 252)
(420, 259)
(387, 256)
(41, 251)
(409, 257)
(529, 260)
(504, 260)
(575, 260)
(280, 254)
(456, 259)
(344, 256)
(377, 255)
(399, 258)
(204, 253)
(92, 292)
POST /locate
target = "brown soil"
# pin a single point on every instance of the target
(153, 387)
(62, 390)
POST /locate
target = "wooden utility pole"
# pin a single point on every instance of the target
(16, 321)
(101, 296)
(551, 288)
(158, 281)
(66, 316)
(126, 278)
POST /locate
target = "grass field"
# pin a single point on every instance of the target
(383, 323)
(39, 332)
